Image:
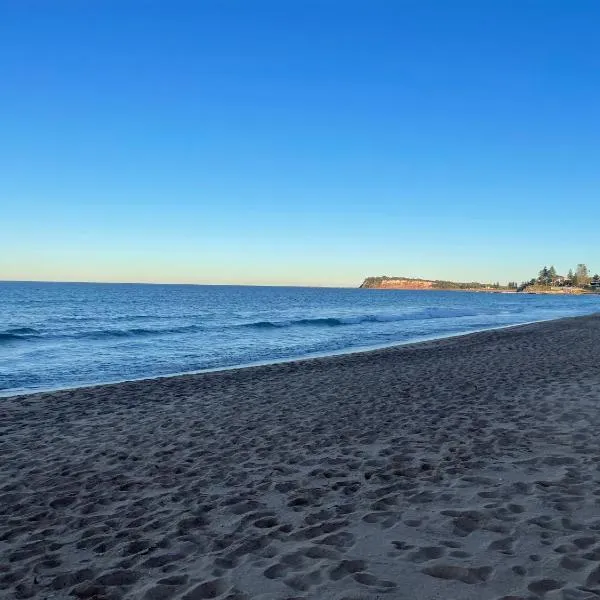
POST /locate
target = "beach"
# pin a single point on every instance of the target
(457, 469)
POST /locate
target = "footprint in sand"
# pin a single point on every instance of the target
(427, 553)
(542, 586)
(371, 581)
(304, 582)
(469, 575)
(385, 519)
(572, 563)
(504, 545)
(347, 567)
(207, 589)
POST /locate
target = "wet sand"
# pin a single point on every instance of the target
(464, 468)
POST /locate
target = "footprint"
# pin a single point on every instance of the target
(593, 554)
(303, 582)
(162, 559)
(318, 552)
(156, 592)
(266, 523)
(426, 553)
(402, 546)
(342, 539)
(309, 533)
(385, 502)
(593, 578)
(294, 560)
(317, 517)
(346, 567)
(135, 547)
(208, 589)
(466, 522)
(460, 554)
(469, 575)
(384, 519)
(505, 545)
(118, 577)
(371, 581)
(572, 563)
(173, 580)
(541, 586)
(299, 502)
(276, 571)
(62, 502)
(566, 549)
(413, 522)
(584, 542)
(345, 509)
(224, 562)
(241, 508)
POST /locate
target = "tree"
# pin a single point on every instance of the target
(570, 275)
(552, 274)
(582, 277)
(543, 276)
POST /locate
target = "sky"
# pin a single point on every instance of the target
(298, 142)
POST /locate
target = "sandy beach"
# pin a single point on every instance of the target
(464, 468)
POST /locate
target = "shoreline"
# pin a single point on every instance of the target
(306, 357)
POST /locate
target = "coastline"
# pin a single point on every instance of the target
(312, 356)
(462, 467)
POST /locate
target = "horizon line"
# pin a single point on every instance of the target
(299, 285)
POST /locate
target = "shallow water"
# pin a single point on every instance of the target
(56, 335)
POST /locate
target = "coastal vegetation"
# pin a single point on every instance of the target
(575, 281)
(548, 280)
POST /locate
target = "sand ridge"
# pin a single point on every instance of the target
(465, 468)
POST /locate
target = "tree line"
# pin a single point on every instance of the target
(580, 277)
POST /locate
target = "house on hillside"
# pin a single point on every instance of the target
(561, 281)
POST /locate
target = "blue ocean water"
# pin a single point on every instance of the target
(55, 335)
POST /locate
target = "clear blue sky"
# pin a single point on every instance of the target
(298, 142)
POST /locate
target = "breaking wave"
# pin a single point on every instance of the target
(16, 334)
(26, 333)
(430, 313)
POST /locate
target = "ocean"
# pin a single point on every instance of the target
(59, 335)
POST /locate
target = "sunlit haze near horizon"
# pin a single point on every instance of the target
(298, 143)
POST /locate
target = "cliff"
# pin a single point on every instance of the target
(397, 283)
(410, 283)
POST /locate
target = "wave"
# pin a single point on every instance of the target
(16, 334)
(27, 333)
(429, 313)
(10, 337)
(136, 332)
(22, 331)
(329, 321)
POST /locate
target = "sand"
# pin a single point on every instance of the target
(466, 468)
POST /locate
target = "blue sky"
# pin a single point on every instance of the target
(298, 142)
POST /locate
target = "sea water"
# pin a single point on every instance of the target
(56, 335)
